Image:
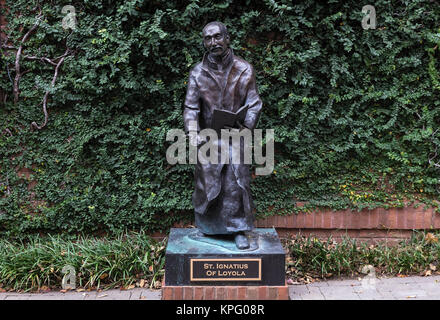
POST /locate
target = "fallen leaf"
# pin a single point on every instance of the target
(150, 268)
(431, 238)
(80, 290)
(103, 295)
(130, 287)
(432, 267)
(427, 273)
(411, 296)
(143, 297)
(142, 283)
(103, 276)
(402, 276)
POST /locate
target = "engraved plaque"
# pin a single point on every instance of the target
(225, 269)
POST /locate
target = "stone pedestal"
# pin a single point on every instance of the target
(201, 267)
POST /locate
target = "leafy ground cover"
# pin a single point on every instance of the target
(136, 260)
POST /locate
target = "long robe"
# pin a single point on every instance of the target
(222, 198)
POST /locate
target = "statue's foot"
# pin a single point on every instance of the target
(241, 241)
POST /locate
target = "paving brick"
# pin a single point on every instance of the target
(283, 293)
(188, 293)
(209, 293)
(252, 293)
(263, 293)
(273, 293)
(231, 293)
(198, 293)
(167, 293)
(178, 293)
(242, 293)
(220, 293)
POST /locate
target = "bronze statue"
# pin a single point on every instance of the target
(222, 196)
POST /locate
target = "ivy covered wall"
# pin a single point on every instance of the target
(356, 112)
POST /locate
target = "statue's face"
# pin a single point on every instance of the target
(214, 40)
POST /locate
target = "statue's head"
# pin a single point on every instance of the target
(215, 38)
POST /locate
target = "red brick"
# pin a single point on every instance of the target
(241, 293)
(318, 219)
(346, 218)
(220, 293)
(283, 293)
(392, 218)
(354, 219)
(273, 293)
(300, 220)
(291, 221)
(198, 293)
(231, 293)
(263, 293)
(188, 292)
(252, 293)
(209, 293)
(337, 219)
(374, 219)
(427, 219)
(167, 293)
(383, 218)
(364, 219)
(178, 293)
(327, 217)
(308, 220)
(277, 221)
(419, 220)
(401, 218)
(436, 220)
(285, 221)
(410, 220)
(270, 222)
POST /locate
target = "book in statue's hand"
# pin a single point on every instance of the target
(224, 118)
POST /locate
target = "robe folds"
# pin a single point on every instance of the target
(222, 198)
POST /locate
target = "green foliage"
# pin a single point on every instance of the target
(350, 107)
(313, 258)
(36, 261)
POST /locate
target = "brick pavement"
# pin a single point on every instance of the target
(407, 288)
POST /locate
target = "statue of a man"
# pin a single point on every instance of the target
(222, 198)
